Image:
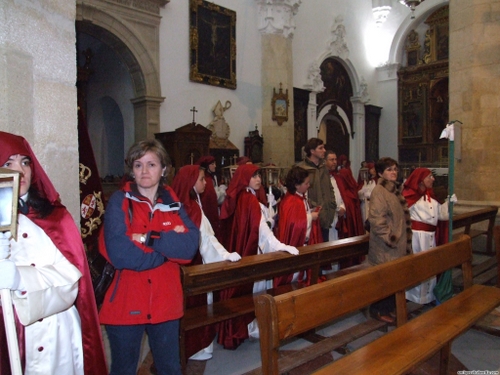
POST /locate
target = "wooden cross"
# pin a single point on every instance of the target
(193, 110)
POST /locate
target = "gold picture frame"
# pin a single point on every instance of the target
(212, 42)
(280, 104)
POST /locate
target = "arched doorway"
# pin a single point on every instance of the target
(334, 130)
(335, 109)
(106, 104)
(122, 80)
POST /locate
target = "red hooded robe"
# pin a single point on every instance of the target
(412, 193)
(61, 229)
(242, 209)
(292, 229)
(352, 225)
(184, 181)
(209, 196)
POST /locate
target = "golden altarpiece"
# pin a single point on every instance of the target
(423, 94)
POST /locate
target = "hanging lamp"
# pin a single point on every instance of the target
(412, 4)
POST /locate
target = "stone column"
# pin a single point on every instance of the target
(475, 97)
(146, 116)
(276, 25)
(357, 141)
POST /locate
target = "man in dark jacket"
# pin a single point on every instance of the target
(321, 193)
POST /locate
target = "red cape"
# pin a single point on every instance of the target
(61, 229)
(352, 225)
(183, 184)
(69, 242)
(245, 241)
(292, 228)
(412, 193)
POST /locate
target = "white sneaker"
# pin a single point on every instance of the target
(202, 355)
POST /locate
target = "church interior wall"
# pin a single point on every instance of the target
(181, 94)
(369, 47)
(38, 94)
(37, 86)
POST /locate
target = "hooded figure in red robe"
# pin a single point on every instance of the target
(184, 180)
(429, 224)
(249, 235)
(60, 228)
(209, 198)
(189, 184)
(297, 224)
(352, 224)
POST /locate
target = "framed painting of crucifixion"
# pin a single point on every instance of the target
(212, 43)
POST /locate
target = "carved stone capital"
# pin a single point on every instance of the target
(276, 16)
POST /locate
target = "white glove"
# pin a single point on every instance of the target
(367, 194)
(290, 249)
(271, 199)
(232, 257)
(10, 278)
(221, 193)
(4, 245)
(453, 199)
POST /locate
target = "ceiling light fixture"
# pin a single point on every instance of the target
(412, 4)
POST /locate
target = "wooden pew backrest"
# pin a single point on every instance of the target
(296, 312)
(205, 278)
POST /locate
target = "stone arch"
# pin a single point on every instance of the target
(138, 48)
(359, 98)
(424, 9)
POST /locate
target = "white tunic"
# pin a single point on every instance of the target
(364, 196)
(333, 234)
(46, 305)
(428, 213)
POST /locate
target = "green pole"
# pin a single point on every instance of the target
(451, 186)
(444, 287)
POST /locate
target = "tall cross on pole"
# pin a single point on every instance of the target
(194, 110)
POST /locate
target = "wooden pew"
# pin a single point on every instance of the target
(205, 278)
(485, 271)
(466, 220)
(288, 315)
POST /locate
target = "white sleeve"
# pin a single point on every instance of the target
(50, 281)
(309, 224)
(338, 197)
(211, 249)
(220, 191)
(267, 241)
(443, 213)
(48, 290)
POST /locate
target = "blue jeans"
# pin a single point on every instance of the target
(125, 344)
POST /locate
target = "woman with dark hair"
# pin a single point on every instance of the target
(148, 235)
(189, 183)
(48, 274)
(298, 225)
(249, 235)
(390, 228)
(429, 223)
